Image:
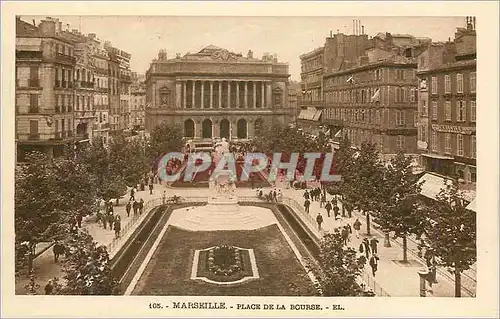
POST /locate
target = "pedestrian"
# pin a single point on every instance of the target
(261, 194)
(345, 234)
(98, 216)
(335, 211)
(306, 195)
(128, 208)
(110, 207)
(357, 227)
(141, 206)
(49, 288)
(323, 200)
(280, 195)
(164, 197)
(328, 208)
(79, 219)
(349, 229)
(318, 194)
(366, 246)
(73, 225)
(373, 245)
(275, 195)
(374, 264)
(150, 188)
(319, 220)
(307, 203)
(135, 206)
(117, 226)
(132, 193)
(58, 250)
(104, 220)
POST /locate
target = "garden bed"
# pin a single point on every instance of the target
(205, 268)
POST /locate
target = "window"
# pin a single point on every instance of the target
(434, 85)
(424, 108)
(415, 118)
(434, 110)
(472, 80)
(434, 142)
(473, 111)
(447, 84)
(33, 103)
(423, 136)
(34, 81)
(447, 111)
(460, 83)
(473, 146)
(460, 145)
(447, 143)
(400, 74)
(400, 117)
(34, 128)
(472, 174)
(400, 142)
(461, 115)
(414, 95)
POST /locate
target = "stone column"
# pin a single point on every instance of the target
(220, 94)
(254, 94)
(202, 93)
(262, 94)
(268, 94)
(211, 96)
(194, 86)
(184, 93)
(245, 97)
(178, 92)
(228, 94)
(237, 94)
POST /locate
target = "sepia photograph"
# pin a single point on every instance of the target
(179, 157)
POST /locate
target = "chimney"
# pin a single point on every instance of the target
(331, 33)
(47, 28)
(59, 28)
(362, 29)
(353, 27)
(177, 55)
(33, 22)
(474, 23)
(250, 54)
(275, 58)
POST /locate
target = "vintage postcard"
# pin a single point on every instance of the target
(274, 159)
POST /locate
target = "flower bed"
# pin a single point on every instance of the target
(224, 263)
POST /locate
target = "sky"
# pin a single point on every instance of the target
(288, 37)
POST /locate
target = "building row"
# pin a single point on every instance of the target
(70, 87)
(399, 92)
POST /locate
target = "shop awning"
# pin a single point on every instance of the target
(310, 114)
(472, 206)
(437, 156)
(432, 185)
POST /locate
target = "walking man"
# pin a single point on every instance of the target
(58, 250)
(128, 208)
(306, 195)
(117, 226)
(374, 264)
(323, 200)
(164, 197)
(319, 220)
(335, 211)
(135, 206)
(307, 203)
(151, 188)
(366, 246)
(345, 234)
(141, 206)
(328, 208)
(79, 219)
(373, 245)
(132, 194)
(357, 227)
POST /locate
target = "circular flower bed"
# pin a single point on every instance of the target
(224, 260)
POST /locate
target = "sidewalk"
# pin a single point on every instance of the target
(395, 278)
(44, 266)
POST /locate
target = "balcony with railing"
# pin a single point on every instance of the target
(44, 138)
(29, 55)
(65, 59)
(34, 83)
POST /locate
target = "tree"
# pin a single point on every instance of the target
(342, 159)
(86, 268)
(453, 231)
(128, 159)
(401, 213)
(48, 194)
(164, 138)
(339, 267)
(364, 189)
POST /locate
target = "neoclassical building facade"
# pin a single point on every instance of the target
(216, 93)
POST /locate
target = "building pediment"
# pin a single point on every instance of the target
(164, 90)
(277, 90)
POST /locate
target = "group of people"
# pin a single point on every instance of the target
(369, 252)
(274, 195)
(108, 218)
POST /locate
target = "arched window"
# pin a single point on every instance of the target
(189, 128)
(242, 128)
(206, 128)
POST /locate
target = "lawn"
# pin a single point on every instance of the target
(169, 271)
